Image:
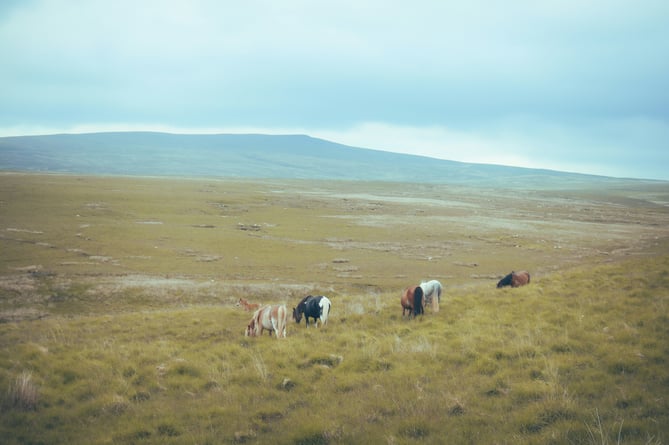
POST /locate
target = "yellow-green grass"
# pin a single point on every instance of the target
(530, 365)
(118, 331)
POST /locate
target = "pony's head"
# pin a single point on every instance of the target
(297, 314)
(506, 281)
(301, 308)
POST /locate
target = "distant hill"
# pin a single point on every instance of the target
(254, 156)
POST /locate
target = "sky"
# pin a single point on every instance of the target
(571, 85)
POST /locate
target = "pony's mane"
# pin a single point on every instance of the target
(302, 305)
(417, 301)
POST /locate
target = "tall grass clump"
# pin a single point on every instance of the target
(23, 393)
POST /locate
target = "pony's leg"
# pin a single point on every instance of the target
(280, 329)
(274, 328)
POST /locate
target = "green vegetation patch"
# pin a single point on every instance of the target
(114, 330)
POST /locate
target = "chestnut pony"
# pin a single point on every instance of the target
(248, 306)
(412, 301)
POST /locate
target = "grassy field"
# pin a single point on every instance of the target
(118, 321)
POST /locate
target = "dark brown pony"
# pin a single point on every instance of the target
(412, 301)
(515, 279)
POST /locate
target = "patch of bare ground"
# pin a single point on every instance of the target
(21, 314)
(170, 291)
(15, 285)
(29, 296)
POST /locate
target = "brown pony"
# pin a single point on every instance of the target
(412, 301)
(248, 306)
(515, 279)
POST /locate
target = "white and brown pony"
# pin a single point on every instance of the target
(271, 318)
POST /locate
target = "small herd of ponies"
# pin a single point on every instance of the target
(273, 318)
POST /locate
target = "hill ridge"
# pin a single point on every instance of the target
(255, 155)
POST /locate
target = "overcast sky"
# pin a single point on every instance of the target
(569, 85)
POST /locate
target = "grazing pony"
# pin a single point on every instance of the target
(515, 279)
(431, 289)
(248, 306)
(412, 301)
(317, 308)
(272, 318)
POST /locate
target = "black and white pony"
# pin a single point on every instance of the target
(317, 308)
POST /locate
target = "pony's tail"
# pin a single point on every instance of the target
(325, 305)
(326, 310)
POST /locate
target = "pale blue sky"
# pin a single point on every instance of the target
(568, 85)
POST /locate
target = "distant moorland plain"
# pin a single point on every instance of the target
(119, 324)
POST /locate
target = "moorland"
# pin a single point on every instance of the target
(119, 323)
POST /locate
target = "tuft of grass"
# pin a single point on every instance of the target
(415, 429)
(23, 393)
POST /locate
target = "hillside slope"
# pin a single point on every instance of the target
(254, 155)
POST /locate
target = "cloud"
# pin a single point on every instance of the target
(516, 81)
(597, 147)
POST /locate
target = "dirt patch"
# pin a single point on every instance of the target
(17, 315)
